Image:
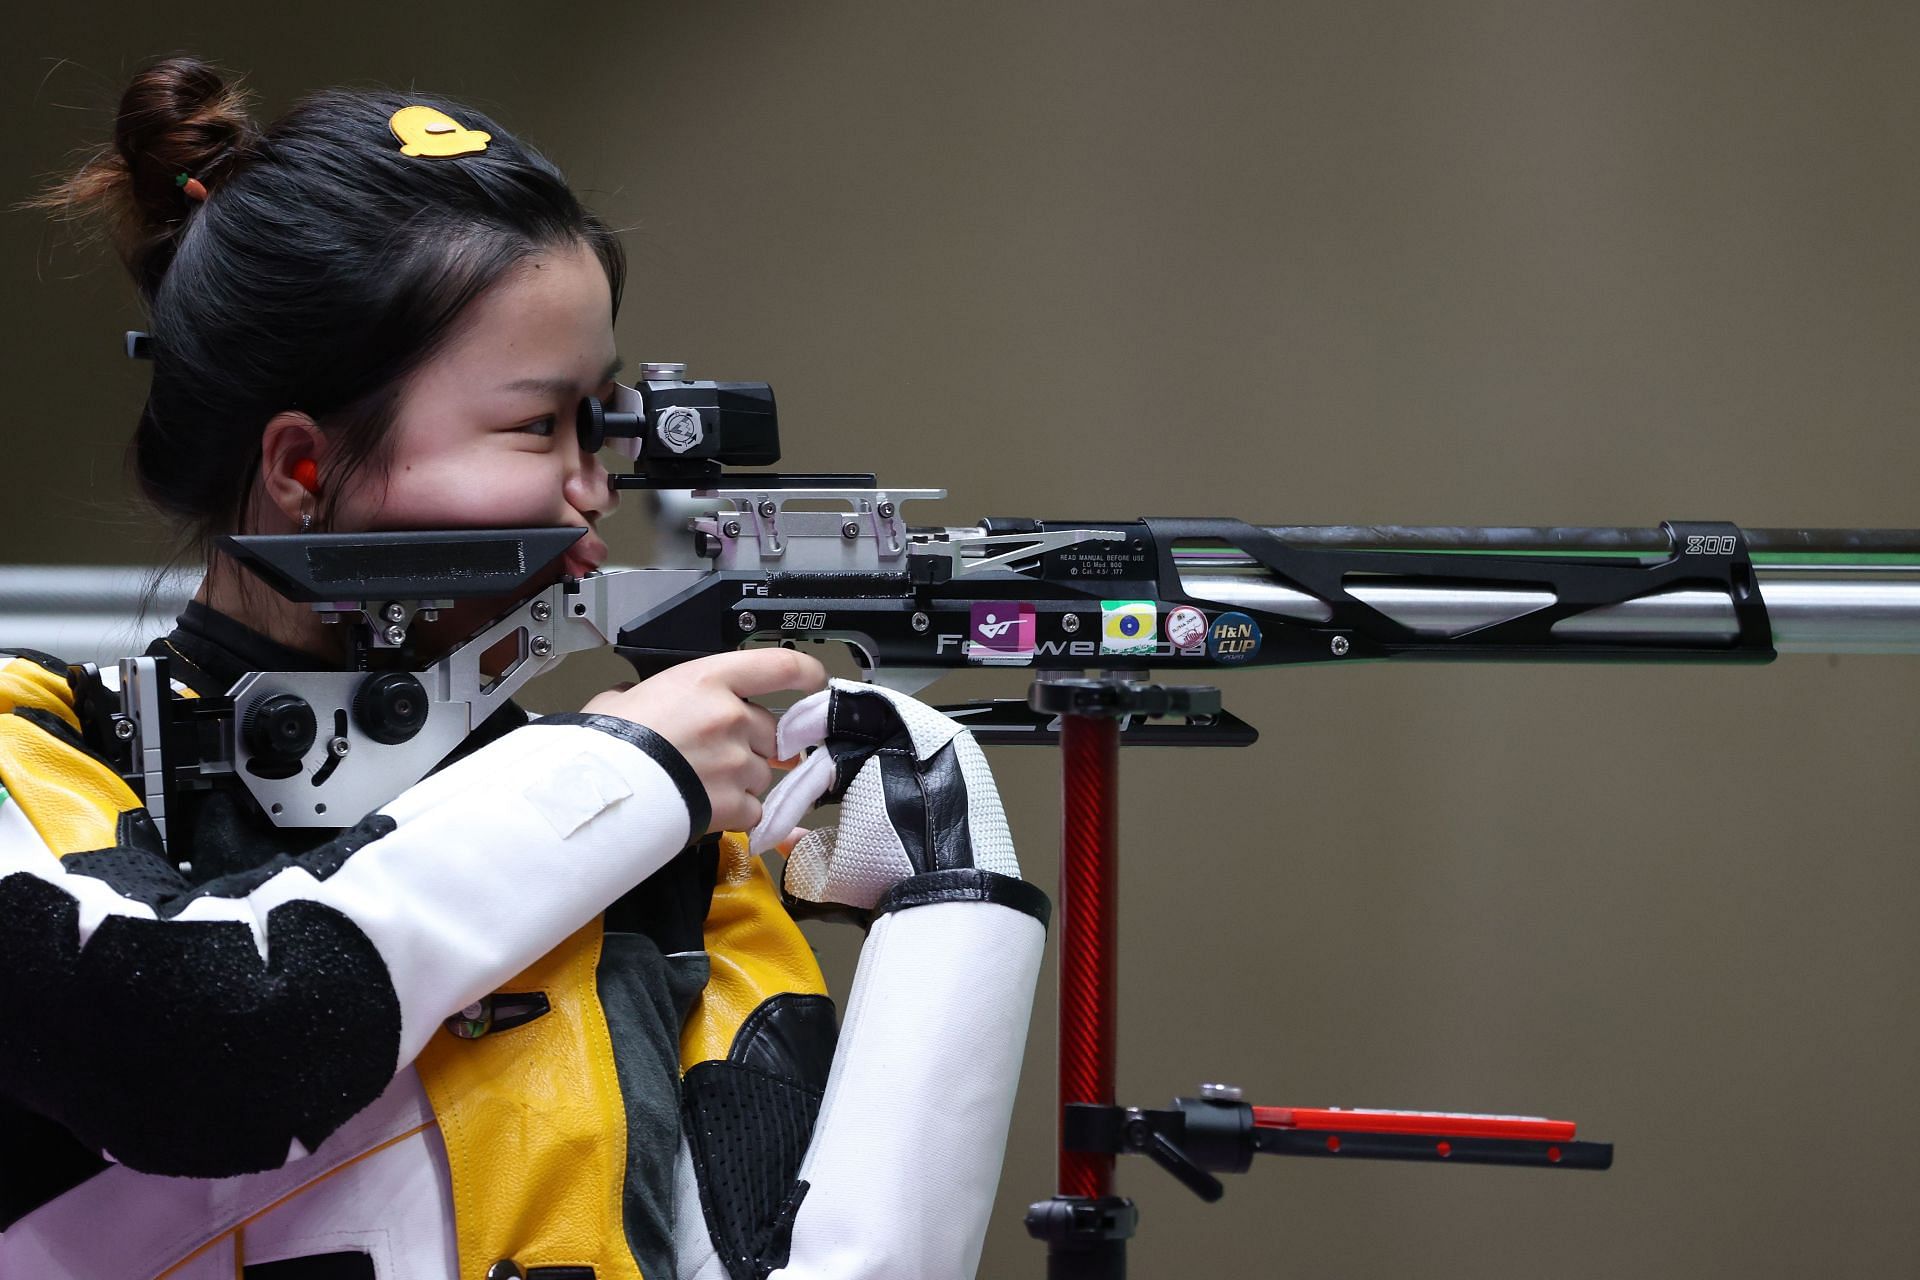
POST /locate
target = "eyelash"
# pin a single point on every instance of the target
(547, 426)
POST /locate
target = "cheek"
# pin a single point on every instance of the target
(501, 489)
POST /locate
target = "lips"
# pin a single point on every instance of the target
(584, 556)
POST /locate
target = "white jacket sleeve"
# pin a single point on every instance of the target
(905, 1155)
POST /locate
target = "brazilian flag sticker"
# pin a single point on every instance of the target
(1128, 626)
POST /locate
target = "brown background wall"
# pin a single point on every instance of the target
(1422, 263)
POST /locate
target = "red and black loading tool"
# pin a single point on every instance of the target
(1419, 1135)
(1199, 1137)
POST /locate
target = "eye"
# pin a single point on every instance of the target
(540, 427)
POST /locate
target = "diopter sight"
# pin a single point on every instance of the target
(681, 434)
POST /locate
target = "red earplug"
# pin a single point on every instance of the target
(306, 473)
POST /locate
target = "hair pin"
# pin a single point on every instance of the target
(428, 131)
(195, 189)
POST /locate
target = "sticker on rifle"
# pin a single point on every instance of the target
(1233, 638)
(1186, 629)
(679, 428)
(1000, 633)
(1127, 626)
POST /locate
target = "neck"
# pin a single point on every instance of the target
(231, 590)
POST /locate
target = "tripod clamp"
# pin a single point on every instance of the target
(1113, 697)
(1160, 1135)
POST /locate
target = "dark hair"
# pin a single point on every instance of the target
(320, 269)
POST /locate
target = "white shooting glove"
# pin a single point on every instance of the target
(915, 797)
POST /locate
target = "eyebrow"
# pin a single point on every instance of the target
(560, 386)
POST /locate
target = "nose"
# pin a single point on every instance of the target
(588, 487)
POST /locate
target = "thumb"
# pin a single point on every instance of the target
(790, 800)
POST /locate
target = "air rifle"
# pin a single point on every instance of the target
(831, 558)
(824, 558)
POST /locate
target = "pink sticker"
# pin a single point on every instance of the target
(1001, 631)
(1186, 629)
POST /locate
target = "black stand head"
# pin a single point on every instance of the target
(1086, 1238)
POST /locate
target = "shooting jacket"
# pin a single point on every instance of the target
(455, 1039)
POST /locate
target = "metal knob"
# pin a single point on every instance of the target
(280, 728)
(390, 707)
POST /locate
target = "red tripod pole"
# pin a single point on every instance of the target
(1085, 1225)
(1088, 928)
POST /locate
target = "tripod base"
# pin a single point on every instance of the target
(1086, 1238)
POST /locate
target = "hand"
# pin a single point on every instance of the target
(915, 796)
(701, 708)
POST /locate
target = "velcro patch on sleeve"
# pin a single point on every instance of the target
(573, 794)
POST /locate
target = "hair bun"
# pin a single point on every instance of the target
(179, 116)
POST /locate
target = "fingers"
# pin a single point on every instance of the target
(735, 788)
(741, 814)
(803, 725)
(701, 709)
(787, 803)
(759, 776)
(761, 729)
(752, 672)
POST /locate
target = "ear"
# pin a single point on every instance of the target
(288, 440)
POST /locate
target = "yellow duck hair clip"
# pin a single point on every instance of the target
(428, 131)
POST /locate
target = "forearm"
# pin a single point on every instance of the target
(907, 1150)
